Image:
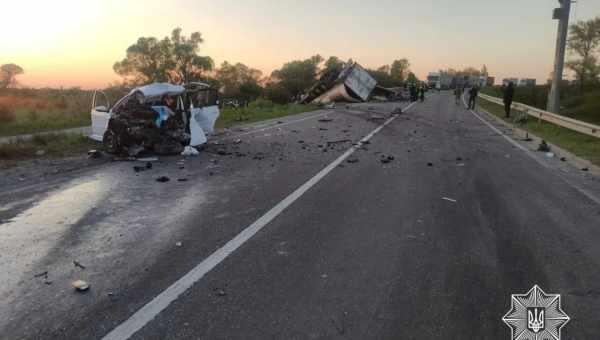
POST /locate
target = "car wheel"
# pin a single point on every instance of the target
(111, 142)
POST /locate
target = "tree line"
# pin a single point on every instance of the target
(177, 59)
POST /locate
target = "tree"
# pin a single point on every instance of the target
(399, 69)
(333, 64)
(584, 40)
(189, 66)
(174, 60)
(411, 78)
(238, 81)
(296, 76)
(484, 71)
(8, 75)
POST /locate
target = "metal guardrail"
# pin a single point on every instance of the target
(566, 122)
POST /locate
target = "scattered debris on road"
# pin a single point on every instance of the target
(94, 154)
(138, 168)
(80, 285)
(449, 199)
(178, 244)
(352, 160)
(386, 159)
(543, 147)
(326, 120)
(77, 264)
(163, 179)
(190, 151)
(549, 155)
(429, 164)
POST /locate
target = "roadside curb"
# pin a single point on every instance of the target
(559, 152)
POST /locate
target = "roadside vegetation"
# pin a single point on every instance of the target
(50, 145)
(259, 110)
(581, 145)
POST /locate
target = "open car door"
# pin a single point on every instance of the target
(100, 115)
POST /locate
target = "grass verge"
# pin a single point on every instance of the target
(258, 111)
(25, 126)
(579, 144)
(51, 145)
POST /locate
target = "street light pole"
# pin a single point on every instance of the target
(561, 14)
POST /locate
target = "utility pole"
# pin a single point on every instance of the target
(562, 15)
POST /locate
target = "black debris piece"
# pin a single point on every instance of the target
(326, 120)
(352, 160)
(94, 154)
(386, 159)
(563, 159)
(182, 180)
(429, 164)
(163, 179)
(544, 147)
(79, 265)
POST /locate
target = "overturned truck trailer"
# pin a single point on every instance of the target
(352, 84)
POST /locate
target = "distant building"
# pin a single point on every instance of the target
(506, 81)
(527, 82)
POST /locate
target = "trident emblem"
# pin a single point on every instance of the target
(535, 319)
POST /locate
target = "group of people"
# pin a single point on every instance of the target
(417, 92)
(508, 94)
(473, 93)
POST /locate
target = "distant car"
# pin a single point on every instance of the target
(142, 121)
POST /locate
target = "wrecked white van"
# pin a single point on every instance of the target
(160, 118)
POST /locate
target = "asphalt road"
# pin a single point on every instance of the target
(288, 230)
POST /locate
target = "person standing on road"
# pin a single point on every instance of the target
(509, 93)
(473, 92)
(457, 94)
(422, 93)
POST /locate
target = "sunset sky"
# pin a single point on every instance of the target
(75, 43)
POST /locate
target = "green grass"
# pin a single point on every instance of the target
(52, 145)
(24, 125)
(581, 145)
(258, 111)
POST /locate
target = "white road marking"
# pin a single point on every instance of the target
(149, 311)
(531, 155)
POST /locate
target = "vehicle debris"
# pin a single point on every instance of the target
(429, 164)
(159, 117)
(449, 199)
(549, 155)
(563, 159)
(544, 147)
(138, 168)
(190, 151)
(182, 180)
(326, 120)
(94, 154)
(352, 83)
(163, 179)
(79, 265)
(80, 285)
(352, 160)
(386, 159)
(44, 274)
(178, 244)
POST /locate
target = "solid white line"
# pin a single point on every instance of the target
(143, 316)
(531, 155)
